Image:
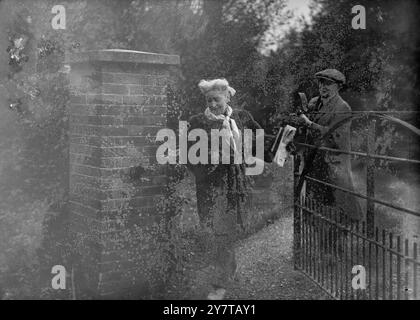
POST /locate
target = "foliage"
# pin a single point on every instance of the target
(214, 39)
(220, 52)
(379, 62)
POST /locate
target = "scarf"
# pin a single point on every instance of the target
(233, 134)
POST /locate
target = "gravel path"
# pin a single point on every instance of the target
(265, 267)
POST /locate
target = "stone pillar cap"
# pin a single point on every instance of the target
(122, 55)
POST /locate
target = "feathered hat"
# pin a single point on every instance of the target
(221, 85)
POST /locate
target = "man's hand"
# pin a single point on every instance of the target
(306, 119)
(294, 121)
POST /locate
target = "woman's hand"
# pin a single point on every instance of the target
(291, 148)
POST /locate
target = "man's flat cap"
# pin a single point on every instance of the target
(331, 74)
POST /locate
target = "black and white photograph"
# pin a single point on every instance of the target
(197, 150)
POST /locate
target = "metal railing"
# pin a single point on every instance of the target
(328, 244)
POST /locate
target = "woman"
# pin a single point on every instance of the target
(222, 189)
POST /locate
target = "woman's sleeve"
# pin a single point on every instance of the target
(199, 170)
(250, 123)
(248, 120)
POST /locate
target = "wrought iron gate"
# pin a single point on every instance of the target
(332, 249)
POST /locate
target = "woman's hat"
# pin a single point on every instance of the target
(216, 85)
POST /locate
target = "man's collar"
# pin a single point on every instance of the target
(329, 100)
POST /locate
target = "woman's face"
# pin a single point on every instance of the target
(216, 101)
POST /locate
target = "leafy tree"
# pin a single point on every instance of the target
(379, 62)
(229, 47)
(35, 92)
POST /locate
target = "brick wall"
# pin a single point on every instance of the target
(118, 103)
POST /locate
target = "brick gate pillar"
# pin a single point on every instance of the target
(117, 105)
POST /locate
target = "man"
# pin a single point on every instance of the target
(324, 112)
